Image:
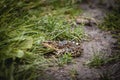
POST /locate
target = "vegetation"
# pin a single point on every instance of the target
(65, 59)
(98, 60)
(24, 25)
(112, 24)
(73, 73)
(112, 21)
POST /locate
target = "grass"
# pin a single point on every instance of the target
(112, 21)
(111, 73)
(65, 59)
(24, 26)
(112, 24)
(96, 61)
(99, 60)
(73, 74)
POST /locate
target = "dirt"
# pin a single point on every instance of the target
(100, 43)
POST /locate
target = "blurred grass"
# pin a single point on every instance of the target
(112, 24)
(24, 24)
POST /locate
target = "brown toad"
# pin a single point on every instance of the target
(61, 47)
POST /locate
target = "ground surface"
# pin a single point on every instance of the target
(100, 43)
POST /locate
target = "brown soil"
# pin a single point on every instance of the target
(100, 43)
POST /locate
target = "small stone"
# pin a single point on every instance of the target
(77, 43)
